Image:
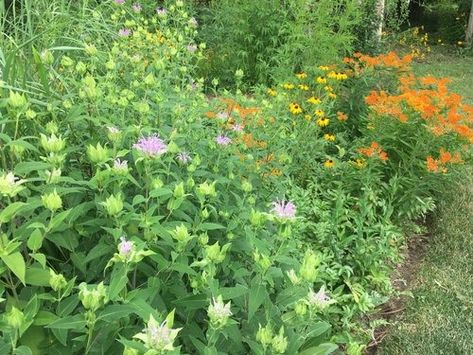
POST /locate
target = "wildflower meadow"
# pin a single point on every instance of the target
(162, 193)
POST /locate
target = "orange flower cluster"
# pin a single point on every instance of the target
(430, 99)
(390, 60)
(440, 164)
(374, 150)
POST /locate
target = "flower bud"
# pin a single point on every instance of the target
(130, 351)
(308, 270)
(30, 114)
(17, 100)
(257, 218)
(216, 254)
(15, 318)
(47, 57)
(219, 312)
(181, 233)
(157, 183)
(300, 309)
(52, 177)
(51, 127)
(10, 185)
(246, 186)
(279, 343)
(52, 144)
(52, 201)
(150, 80)
(203, 239)
(113, 205)
(90, 49)
(179, 190)
(66, 61)
(97, 154)
(81, 67)
(92, 298)
(206, 189)
(56, 281)
(204, 213)
(264, 335)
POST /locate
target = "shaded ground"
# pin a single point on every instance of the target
(439, 268)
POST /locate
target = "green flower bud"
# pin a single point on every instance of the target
(257, 218)
(300, 309)
(113, 205)
(15, 318)
(279, 343)
(17, 100)
(204, 213)
(130, 351)
(30, 114)
(47, 57)
(52, 144)
(56, 281)
(93, 298)
(81, 67)
(308, 270)
(206, 189)
(150, 80)
(66, 61)
(90, 49)
(173, 148)
(110, 65)
(264, 335)
(52, 201)
(52, 177)
(179, 190)
(239, 74)
(190, 183)
(181, 233)
(142, 107)
(251, 200)
(17, 149)
(246, 186)
(97, 154)
(51, 127)
(216, 254)
(203, 239)
(157, 183)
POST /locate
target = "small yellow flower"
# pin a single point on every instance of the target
(288, 86)
(313, 100)
(329, 163)
(360, 163)
(319, 113)
(329, 137)
(323, 122)
(328, 88)
(460, 43)
(308, 117)
(332, 75)
(324, 68)
(370, 126)
(301, 75)
(295, 108)
(332, 95)
(321, 80)
(272, 92)
(304, 87)
(341, 76)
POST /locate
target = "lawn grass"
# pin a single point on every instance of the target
(439, 318)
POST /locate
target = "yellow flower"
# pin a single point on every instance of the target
(319, 113)
(332, 75)
(308, 117)
(370, 126)
(341, 76)
(359, 163)
(328, 88)
(323, 122)
(288, 86)
(324, 68)
(295, 108)
(313, 100)
(329, 137)
(321, 80)
(272, 92)
(460, 43)
(332, 95)
(329, 163)
(303, 87)
(301, 75)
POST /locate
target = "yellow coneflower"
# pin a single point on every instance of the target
(329, 163)
(301, 75)
(329, 137)
(360, 163)
(304, 87)
(323, 122)
(295, 108)
(321, 80)
(324, 67)
(328, 88)
(313, 100)
(308, 117)
(288, 86)
(332, 95)
(319, 113)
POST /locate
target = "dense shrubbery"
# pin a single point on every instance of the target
(140, 216)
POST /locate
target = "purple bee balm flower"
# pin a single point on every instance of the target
(124, 32)
(125, 246)
(192, 48)
(223, 140)
(184, 157)
(151, 145)
(136, 7)
(161, 11)
(283, 209)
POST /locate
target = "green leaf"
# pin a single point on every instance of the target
(118, 281)
(26, 167)
(114, 312)
(23, 350)
(322, 349)
(256, 298)
(76, 322)
(35, 241)
(192, 302)
(37, 277)
(98, 251)
(8, 212)
(67, 305)
(45, 318)
(230, 293)
(210, 226)
(58, 219)
(16, 264)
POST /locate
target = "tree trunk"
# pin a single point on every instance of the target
(469, 29)
(380, 5)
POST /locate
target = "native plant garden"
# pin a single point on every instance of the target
(165, 191)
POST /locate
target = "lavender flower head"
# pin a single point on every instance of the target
(124, 32)
(283, 209)
(120, 165)
(184, 157)
(152, 146)
(161, 11)
(125, 247)
(223, 140)
(136, 7)
(191, 48)
(320, 299)
(119, 2)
